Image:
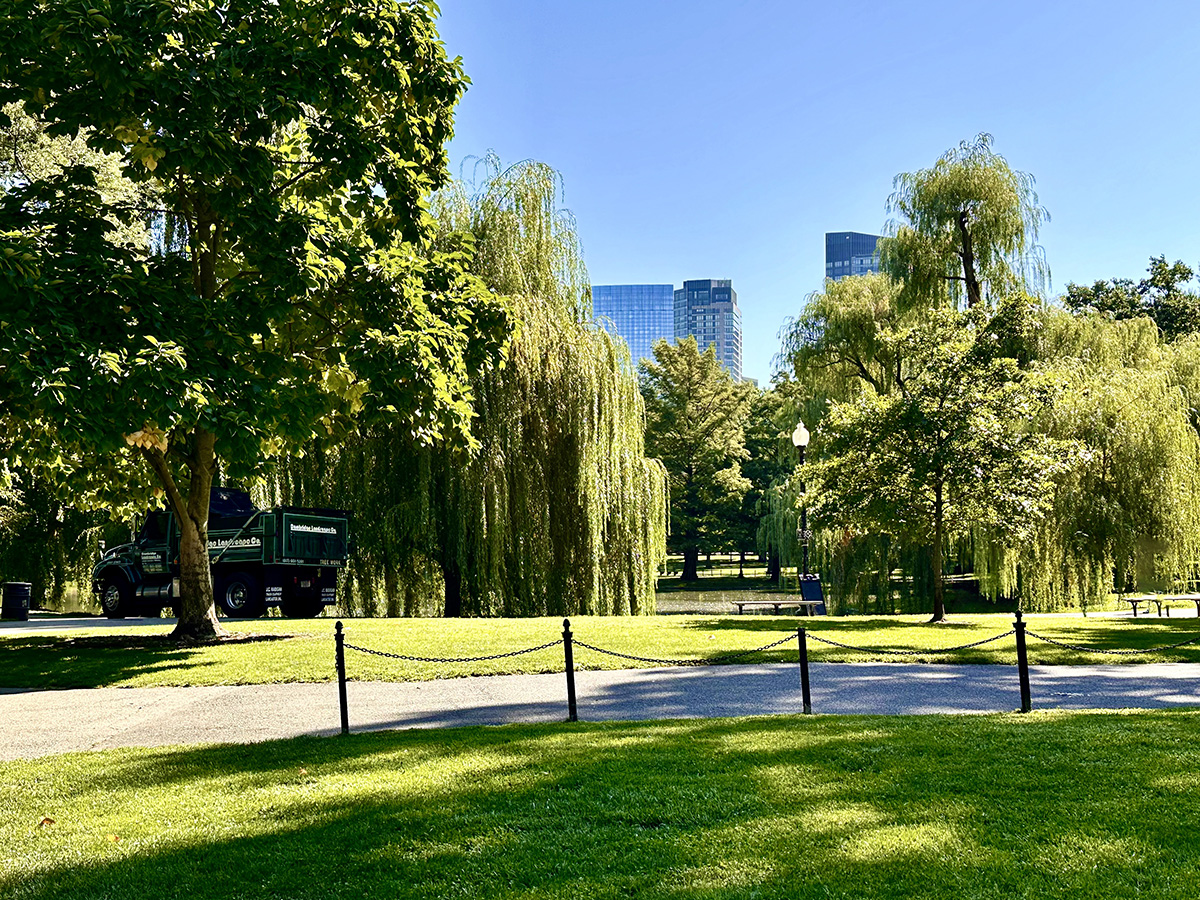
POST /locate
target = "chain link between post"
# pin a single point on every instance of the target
(997, 637)
(716, 660)
(452, 659)
(1195, 640)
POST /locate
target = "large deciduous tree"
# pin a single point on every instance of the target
(949, 451)
(968, 232)
(695, 420)
(291, 146)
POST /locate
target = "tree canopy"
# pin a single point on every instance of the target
(1161, 296)
(947, 452)
(291, 146)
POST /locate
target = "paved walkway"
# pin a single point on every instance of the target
(37, 723)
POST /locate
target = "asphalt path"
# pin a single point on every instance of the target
(39, 723)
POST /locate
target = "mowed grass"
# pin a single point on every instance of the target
(303, 650)
(1047, 805)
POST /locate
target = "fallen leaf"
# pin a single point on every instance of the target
(114, 838)
(46, 820)
(303, 771)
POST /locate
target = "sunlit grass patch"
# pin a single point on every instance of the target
(1044, 805)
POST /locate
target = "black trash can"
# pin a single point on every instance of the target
(16, 600)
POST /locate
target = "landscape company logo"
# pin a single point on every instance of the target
(222, 543)
(312, 529)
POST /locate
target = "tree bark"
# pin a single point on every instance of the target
(691, 558)
(195, 609)
(974, 292)
(452, 578)
(939, 606)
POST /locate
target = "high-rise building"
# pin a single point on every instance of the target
(708, 310)
(850, 253)
(640, 313)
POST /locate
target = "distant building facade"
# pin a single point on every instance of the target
(640, 313)
(850, 253)
(645, 313)
(708, 310)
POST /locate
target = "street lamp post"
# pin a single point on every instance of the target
(800, 442)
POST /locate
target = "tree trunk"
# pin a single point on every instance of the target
(773, 566)
(391, 590)
(974, 292)
(939, 606)
(452, 578)
(741, 564)
(194, 608)
(691, 557)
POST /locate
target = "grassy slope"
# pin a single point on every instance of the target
(138, 656)
(1045, 805)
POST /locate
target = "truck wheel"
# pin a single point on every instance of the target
(240, 596)
(116, 597)
(301, 609)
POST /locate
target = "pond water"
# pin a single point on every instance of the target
(713, 602)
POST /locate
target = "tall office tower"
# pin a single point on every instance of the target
(708, 309)
(850, 253)
(640, 313)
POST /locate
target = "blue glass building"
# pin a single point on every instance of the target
(708, 310)
(850, 253)
(640, 313)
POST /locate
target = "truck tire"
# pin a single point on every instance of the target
(116, 597)
(240, 596)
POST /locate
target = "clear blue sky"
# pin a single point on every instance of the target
(703, 139)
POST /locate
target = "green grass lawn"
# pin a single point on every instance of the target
(1070, 805)
(302, 650)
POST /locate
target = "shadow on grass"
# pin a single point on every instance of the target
(793, 808)
(54, 661)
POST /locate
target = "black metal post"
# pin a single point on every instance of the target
(572, 714)
(338, 640)
(803, 519)
(1023, 665)
(802, 636)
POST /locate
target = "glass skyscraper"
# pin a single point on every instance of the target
(645, 313)
(640, 313)
(850, 253)
(708, 310)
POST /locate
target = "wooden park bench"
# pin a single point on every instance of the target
(805, 607)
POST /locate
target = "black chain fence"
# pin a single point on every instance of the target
(453, 659)
(711, 661)
(930, 652)
(801, 636)
(1081, 649)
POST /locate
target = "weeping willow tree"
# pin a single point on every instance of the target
(968, 230)
(1128, 514)
(556, 510)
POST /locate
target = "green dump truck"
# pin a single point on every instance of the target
(287, 557)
